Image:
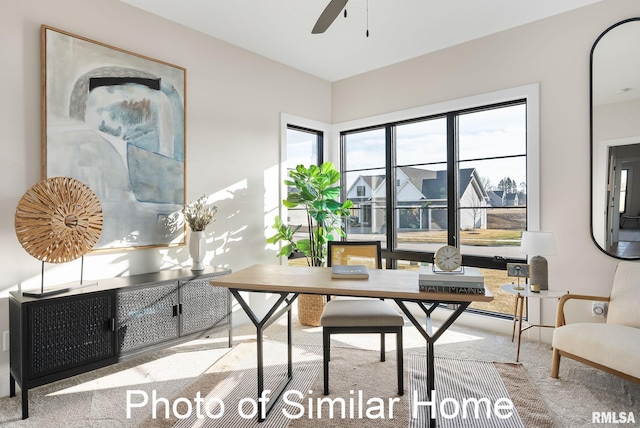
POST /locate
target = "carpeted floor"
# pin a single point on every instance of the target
(363, 390)
(98, 398)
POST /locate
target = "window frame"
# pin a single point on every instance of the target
(529, 94)
(289, 121)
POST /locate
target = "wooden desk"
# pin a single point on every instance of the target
(290, 281)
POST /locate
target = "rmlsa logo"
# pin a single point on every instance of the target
(612, 418)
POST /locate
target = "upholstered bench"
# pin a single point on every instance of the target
(613, 346)
(361, 316)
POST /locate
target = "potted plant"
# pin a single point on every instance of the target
(198, 215)
(316, 189)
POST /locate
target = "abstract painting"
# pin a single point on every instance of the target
(115, 120)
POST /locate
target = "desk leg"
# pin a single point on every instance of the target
(522, 303)
(431, 338)
(261, 324)
(515, 317)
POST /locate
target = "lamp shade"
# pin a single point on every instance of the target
(538, 243)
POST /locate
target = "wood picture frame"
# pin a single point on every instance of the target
(115, 120)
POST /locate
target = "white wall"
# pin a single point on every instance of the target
(234, 103)
(554, 53)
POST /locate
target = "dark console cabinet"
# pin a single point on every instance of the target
(86, 328)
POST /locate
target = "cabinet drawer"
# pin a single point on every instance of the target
(70, 332)
(147, 316)
(203, 306)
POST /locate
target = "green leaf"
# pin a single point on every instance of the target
(333, 176)
(331, 192)
(289, 204)
(333, 205)
(327, 167)
(304, 246)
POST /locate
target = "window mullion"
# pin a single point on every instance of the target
(390, 162)
(452, 180)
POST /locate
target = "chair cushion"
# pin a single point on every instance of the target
(358, 313)
(625, 295)
(613, 346)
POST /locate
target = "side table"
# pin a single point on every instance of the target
(522, 297)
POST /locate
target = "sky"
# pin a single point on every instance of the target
(485, 134)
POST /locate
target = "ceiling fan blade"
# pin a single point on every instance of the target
(329, 15)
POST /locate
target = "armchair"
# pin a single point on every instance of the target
(614, 346)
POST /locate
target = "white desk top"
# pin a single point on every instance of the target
(526, 292)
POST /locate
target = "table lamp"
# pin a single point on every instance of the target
(537, 245)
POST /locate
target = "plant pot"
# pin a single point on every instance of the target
(197, 249)
(310, 308)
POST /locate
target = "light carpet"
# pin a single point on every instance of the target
(363, 391)
(98, 398)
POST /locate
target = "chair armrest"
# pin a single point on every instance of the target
(560, 320)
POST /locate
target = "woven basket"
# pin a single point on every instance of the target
(310, 308)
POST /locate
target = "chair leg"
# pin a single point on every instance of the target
(555, 364)
(382, 348)
(400, 362)
(326, 344)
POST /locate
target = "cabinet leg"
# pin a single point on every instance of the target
(12, 386)
(25, 403)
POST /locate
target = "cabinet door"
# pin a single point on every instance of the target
(203, 306)
(70, 332)
(147, 315)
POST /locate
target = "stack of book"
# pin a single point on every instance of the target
(470, 281)
(349, 272)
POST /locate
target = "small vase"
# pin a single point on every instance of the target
(197, 249)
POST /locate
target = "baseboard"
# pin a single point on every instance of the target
(4, 385)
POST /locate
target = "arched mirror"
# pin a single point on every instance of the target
(615, 140)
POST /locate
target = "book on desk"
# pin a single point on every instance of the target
(469, 281)
(349, 272)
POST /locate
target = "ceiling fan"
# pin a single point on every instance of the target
(329, 15)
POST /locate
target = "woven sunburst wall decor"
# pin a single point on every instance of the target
(58, 220)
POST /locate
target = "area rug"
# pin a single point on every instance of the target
(227, 391)
(476, 394)
(363, 391)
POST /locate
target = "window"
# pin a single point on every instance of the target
(360, 190)
(365, 167)
(304, 147)
(624, 174)
(461, 178)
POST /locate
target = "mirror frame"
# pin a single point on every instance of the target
(591, 157)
